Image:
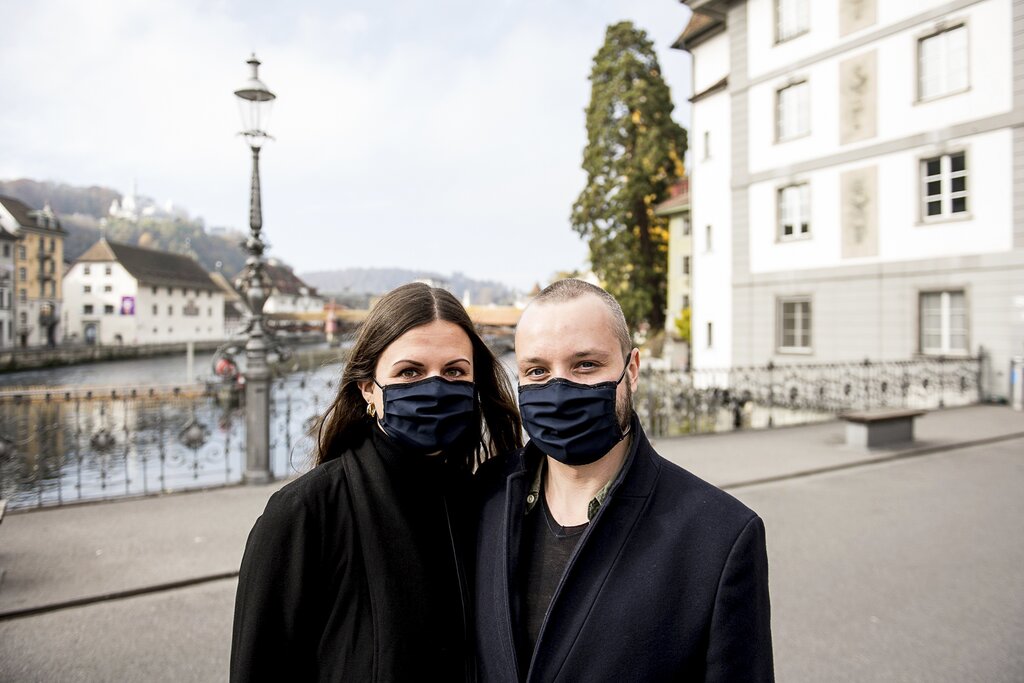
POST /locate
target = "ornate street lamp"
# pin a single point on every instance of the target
(255, 101)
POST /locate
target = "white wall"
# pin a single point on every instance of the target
(765, 56)
(898, 112)
(713, 64)
(901, 235)
(146, 326)
(710, 204)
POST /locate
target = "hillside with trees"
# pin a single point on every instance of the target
(84, 213)
(357, 283)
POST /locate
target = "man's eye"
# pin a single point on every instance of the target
(535, 372)
(587, 365)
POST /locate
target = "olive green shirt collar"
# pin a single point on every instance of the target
(533, 496)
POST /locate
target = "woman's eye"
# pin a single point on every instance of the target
(454, 372)
(535, 372)
(408, 373)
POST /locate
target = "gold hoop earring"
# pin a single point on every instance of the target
(371, 410)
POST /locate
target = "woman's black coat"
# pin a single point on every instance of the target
(350, 574)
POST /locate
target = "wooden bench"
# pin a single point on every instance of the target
(880, 428)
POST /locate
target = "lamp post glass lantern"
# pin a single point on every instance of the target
(255, 101)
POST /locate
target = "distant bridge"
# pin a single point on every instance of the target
(496, 324)
(482, 316)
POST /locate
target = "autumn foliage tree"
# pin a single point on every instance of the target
(634, 154)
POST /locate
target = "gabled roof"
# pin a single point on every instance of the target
(700, 26)
(678, 202)
(283, 280)
(30, 218)
(150, 266)
(230, 293)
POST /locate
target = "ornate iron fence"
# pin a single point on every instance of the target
(674, 403)
(71, 445)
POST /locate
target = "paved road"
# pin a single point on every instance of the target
(900, 566)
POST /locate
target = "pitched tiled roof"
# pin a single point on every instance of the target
(699, 25)
(284, 281)
(150, 266)
(679, 201)
(26, 216)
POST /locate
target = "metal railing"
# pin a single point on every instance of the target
(96, 443)
(59, 446)
(673, 403)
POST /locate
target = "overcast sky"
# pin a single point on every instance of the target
(440, 135)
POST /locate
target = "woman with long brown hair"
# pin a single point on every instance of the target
(357, 570)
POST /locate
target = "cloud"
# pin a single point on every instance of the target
(445, 136)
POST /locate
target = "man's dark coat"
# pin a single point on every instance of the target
(669, 581)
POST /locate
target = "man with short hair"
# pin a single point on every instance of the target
(597, 559)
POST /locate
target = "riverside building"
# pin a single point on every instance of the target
(857, 181)
(38, 266)
(121, 294)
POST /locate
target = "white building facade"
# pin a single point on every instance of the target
(118, 294)
(857, 181)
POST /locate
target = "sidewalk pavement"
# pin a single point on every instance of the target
(143, 589)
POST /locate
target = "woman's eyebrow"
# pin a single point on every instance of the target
(456, 360)
(410, 362)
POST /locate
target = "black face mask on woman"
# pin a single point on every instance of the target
(428, 415)
(573, 423)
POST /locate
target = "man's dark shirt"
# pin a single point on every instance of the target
(547, 546)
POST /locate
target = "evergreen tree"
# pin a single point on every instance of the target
(634, 154)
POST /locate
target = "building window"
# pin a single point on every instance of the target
(108, 309)
(707, 144)
(156, 311)
(21, 251)
(944, 185)
(942, 63)
(794, 325)
(170, 310)
(23, 317)
(53, 288)
(170, 291)
(22, 295)
(154, 290)
(707, 238)
(86, 270)
(686, 301)
(686, 265)
(710, 337)
(22, 275)
(87, 289)
(792, 111)
(87, 309)
(791, 19)
(108, 288)
(53, 245)
(944, 322)
(209, 312)
(794, 211)
(686, 226)
(106, 270)
(7, 253)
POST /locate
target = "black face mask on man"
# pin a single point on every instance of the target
(574, 423)
(428, 415)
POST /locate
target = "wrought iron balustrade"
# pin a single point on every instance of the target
(709, 400)
(66, 445)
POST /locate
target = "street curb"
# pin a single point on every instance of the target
(900, 455)
(117, 595)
